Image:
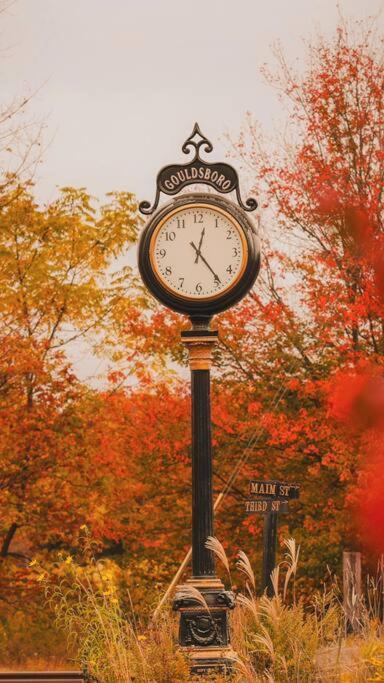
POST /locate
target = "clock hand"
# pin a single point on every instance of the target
(205, 261)
(199, 247)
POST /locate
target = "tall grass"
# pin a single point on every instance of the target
(277, 639)
(111, 645)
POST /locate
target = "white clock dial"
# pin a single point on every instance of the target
(198, 251)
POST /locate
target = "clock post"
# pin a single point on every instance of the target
(204, 631)
(199, 256)
(200, 344)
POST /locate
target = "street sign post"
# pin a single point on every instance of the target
(270, 498)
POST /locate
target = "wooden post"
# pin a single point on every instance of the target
(352, 590)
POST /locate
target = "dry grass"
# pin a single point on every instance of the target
(112, 645)
(278, 640)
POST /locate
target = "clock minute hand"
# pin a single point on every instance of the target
(205, 261)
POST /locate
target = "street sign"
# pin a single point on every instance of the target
(265, 505)
(274, 489)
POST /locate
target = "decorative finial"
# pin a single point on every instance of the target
(190, 142)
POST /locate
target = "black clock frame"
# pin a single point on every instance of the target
(200, 311)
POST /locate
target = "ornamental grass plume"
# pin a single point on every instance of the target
(212, 543)
(292, 559)
(277, 641)
(243, 565)
(188, 591)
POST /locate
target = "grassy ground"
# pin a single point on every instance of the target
(278, 640)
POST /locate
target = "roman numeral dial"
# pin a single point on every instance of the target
(198, 252)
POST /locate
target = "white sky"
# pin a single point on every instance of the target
(121, 82)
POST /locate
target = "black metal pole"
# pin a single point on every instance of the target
(203, 561)
(269, 551)
(204, 631)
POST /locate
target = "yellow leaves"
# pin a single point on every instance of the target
(57, 260)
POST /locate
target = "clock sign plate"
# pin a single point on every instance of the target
(175, 177)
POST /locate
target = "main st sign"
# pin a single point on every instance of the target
(199, 255)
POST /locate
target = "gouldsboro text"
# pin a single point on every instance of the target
(196, 173)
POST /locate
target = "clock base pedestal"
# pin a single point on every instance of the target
(204, 630)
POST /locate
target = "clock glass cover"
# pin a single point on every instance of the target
(198, 251)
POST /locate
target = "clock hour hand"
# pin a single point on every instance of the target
(217, 279)
(198, 253)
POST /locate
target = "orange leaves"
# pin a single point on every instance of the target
(254, 407)
(368, 501)
(222, 419)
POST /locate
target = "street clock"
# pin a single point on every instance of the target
(199, 254)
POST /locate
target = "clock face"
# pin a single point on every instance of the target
(198, 251)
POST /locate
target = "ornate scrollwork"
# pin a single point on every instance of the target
(250, 203)
(221, 176)
(226, 598)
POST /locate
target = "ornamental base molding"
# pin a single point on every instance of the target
(204, 629)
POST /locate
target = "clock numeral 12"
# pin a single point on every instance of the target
(197, 217)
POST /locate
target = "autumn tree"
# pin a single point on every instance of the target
(57, 286)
